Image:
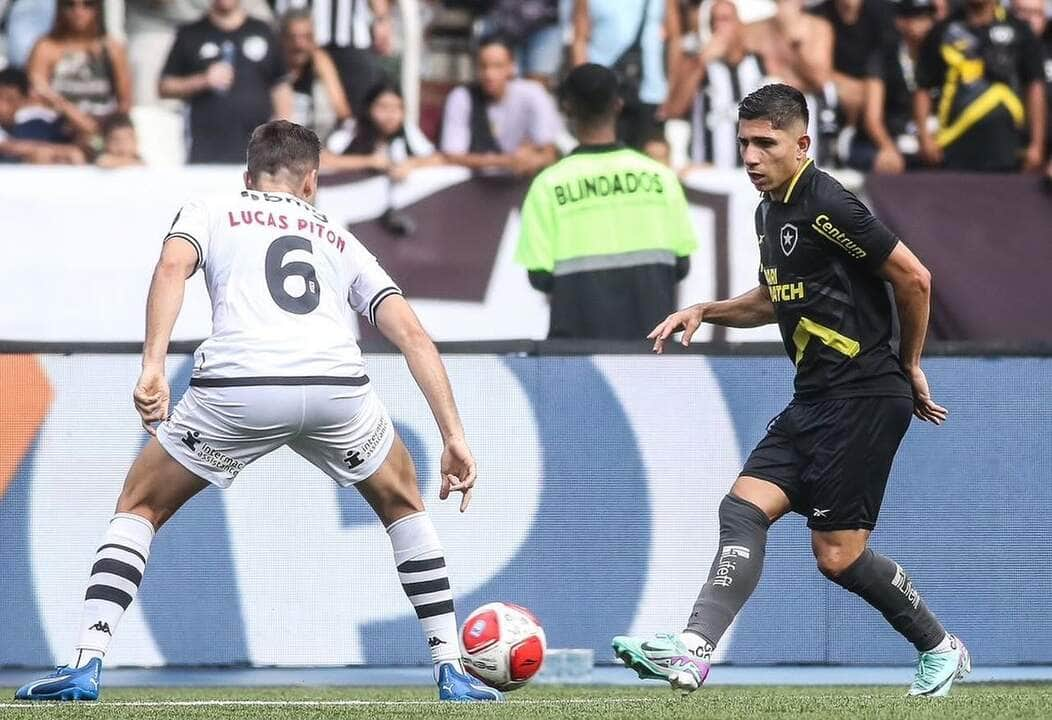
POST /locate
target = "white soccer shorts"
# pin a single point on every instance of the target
(215, 432)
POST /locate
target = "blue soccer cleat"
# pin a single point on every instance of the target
(65, 683)
(936, 672)
(455, 686)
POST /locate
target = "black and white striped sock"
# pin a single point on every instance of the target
(422, 571)
(115, 577)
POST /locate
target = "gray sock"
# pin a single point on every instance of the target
(735, 571)
(882, 583)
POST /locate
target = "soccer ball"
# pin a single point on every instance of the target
(503, 645)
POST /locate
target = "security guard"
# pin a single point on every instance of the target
(606, 230)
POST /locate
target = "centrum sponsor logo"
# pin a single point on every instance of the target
(824, 227)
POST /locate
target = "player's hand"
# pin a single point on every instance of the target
(923, 406)
(151, 397)
(458, 471)
(220, 76)
(686, 320)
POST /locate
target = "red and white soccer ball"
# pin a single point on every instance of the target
(503, 645)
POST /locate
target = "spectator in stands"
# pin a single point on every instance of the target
(533, 27)
(887, 139)
(229, 68)
(318, 99)
(356, 34)
(30, 132)
(797, 49)
(640, 41)
(121, 147)
(79, 71)
(712, 84)
(1033, 13)
(863, 35)
(151, 26)
(382, 141)
(500, 123)
(988, 67)
(362, 24)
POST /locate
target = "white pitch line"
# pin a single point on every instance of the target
(315, 703)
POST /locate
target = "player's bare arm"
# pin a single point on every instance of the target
(911, 282)
(178, 260)
(751, 309)
(399, 324)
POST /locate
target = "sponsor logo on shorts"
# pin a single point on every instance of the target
(356, 457)
(210, 455)
(820, 513)
(728, 564)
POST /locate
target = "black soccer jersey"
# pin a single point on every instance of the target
(820, 249)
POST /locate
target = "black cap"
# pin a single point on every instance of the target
(912, 8)
(589, 90)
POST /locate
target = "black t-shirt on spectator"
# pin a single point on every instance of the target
(221, 122)
(896, 70)
(858, 48)
(992, 136)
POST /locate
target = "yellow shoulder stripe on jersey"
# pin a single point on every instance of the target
(807, 329)
(796, 177)
(997, 94)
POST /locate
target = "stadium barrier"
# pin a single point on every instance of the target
(600, 477)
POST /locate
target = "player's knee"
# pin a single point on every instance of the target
(736, 514)
(833, 560)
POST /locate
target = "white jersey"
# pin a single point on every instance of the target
(284, 283)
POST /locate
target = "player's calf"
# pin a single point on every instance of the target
(421, 566)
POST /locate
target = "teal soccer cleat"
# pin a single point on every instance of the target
(65, 683)
(455, 686)
(936, 672)
(662, 657)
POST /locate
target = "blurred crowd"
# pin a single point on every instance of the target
(893, 85)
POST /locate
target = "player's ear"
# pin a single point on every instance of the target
(310, 183)
(248, 181)
(803, 144)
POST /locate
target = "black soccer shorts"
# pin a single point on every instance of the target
(832, 457)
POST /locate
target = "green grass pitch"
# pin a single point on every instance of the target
(968, 702)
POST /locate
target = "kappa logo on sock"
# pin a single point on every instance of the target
(102, 627)
(434, 641)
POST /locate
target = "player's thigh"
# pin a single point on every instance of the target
(392, 491)
(771, 476)
(350, 437)
(851, 452)
(216, 432)
(157, 486)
